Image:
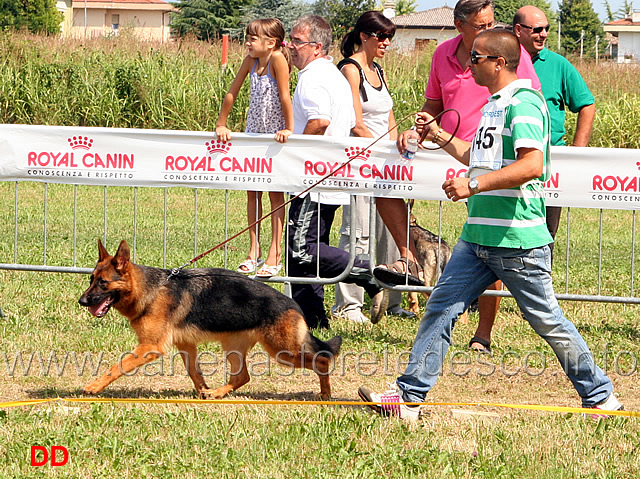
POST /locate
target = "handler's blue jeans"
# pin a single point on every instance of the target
(527, 274)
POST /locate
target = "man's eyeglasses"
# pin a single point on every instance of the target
(479, 28)
(296, 42)
(380, 35)
(475, 56)
(536, 29)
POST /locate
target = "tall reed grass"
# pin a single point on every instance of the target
(120, 82)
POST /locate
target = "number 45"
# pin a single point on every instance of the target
(484, 137)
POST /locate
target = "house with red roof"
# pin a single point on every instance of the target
(628, 32)
(418, 29)
(147, 20)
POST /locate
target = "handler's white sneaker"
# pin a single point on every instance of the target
(390, 404)
(610, 404)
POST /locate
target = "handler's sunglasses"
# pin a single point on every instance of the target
(475, 56)
(381, 36)
(537, 30)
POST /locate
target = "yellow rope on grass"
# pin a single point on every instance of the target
(269, 402)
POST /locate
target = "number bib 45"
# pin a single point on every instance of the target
(486, 148)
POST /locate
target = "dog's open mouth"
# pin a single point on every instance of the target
(99, 310)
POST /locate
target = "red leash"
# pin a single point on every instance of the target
(176, 271)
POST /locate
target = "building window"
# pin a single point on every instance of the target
(424, 42)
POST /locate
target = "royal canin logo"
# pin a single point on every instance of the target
(80, 159)
(357, 152)
(80, 142)
(364, 171)
(217, 146)
(616, 183)
(220, 163)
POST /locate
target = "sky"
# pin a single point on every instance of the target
(598, 5)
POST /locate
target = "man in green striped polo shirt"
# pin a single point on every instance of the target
(505, 236)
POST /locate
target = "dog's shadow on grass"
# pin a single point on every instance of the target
(144, 393)
(365, 333)
(628, 331)
(112, 393)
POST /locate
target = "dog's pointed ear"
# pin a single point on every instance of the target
(102, 251)
(121, 259)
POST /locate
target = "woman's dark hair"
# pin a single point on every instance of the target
(369, 22)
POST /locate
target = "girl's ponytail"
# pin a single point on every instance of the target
(282, 46)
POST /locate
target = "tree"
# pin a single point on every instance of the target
(36, 16)
(286, 10)
(403, 7)
(577, 16)
(342, 14)
(506, 9)
(625, 10)
(610, 15)
(207, 19)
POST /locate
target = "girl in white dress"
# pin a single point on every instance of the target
(268, 65)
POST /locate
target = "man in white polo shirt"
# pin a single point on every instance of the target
(322, 105)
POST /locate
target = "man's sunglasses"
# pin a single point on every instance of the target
(536, 29)
(475, 56)
(380, 35)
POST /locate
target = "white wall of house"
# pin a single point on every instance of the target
(146, 24)
(405, 38)
(628, 47)
(628, 33)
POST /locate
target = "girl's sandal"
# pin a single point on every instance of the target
(249, 265)
(267, 270)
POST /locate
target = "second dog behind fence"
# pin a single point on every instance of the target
(433, 254)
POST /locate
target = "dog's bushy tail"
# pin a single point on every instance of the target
(329, 348)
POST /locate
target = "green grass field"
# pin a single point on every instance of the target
(119, 84)
(44, 326)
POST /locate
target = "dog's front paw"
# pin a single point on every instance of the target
(93, 388)
(215, 393)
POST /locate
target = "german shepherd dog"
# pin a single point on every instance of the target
(197, 305)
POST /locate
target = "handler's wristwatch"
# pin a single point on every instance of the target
(473, 186)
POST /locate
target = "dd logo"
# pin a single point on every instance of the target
(56, 460)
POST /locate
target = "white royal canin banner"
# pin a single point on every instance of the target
(581, 177)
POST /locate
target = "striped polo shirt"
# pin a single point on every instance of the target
(514, 217)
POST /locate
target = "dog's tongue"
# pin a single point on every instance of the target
(99, 310)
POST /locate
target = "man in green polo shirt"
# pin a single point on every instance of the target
(562, 87)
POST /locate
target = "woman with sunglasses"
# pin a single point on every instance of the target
(367, 41)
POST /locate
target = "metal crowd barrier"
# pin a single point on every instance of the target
(12, 260)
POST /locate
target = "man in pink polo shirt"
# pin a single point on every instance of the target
(451, 85)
